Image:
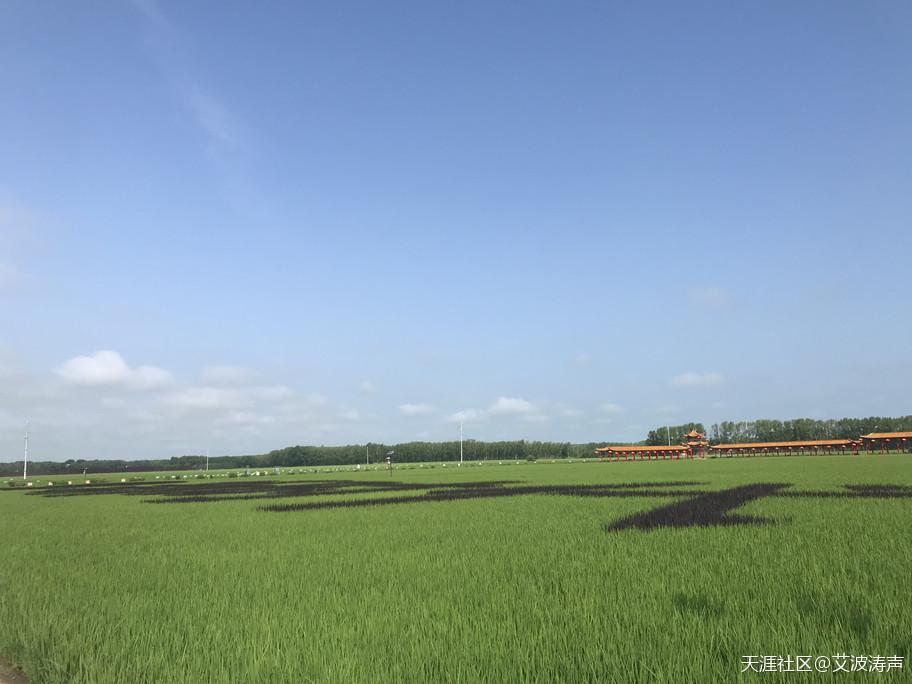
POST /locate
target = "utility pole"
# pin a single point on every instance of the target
(668, 434)
(25, 456)
(368, 447)
(460, 442)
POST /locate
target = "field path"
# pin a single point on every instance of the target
(10, 675)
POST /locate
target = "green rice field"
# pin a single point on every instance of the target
(667, 571)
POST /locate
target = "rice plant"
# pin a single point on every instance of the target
(660, 571)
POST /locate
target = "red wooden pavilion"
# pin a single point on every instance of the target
(697, 443)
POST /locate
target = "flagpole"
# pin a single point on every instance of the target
(25, 456)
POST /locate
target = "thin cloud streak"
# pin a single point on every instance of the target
(208, 111)
(502, 407)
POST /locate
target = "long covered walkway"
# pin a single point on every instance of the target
(643, 453)
(813, 446)
(885, 441)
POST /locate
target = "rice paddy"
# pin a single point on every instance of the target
(662, 571)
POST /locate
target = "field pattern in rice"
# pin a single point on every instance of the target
(660, 571)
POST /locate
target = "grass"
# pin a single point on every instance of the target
(536, 587)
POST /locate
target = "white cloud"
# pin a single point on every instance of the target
(505, 406)
(691, 379)
(469, 415)
(610, 408)
(368, 387)
(105, 418)
(415, 409)
(109, 368)
(150, 377)
(502, 406)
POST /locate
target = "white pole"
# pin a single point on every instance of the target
(25, 458)
(207, 459)
(668, 434)
(460, 442)
(368, 447)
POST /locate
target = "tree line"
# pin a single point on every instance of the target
(475, 450)
(310, 456)
(799, 429)
(804, 429)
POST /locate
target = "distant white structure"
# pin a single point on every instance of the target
(25, 456)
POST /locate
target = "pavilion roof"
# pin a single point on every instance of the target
(639, 449)
(769, 445)
(694, 434)
(888, 435)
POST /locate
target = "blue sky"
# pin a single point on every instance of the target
(245, 226)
